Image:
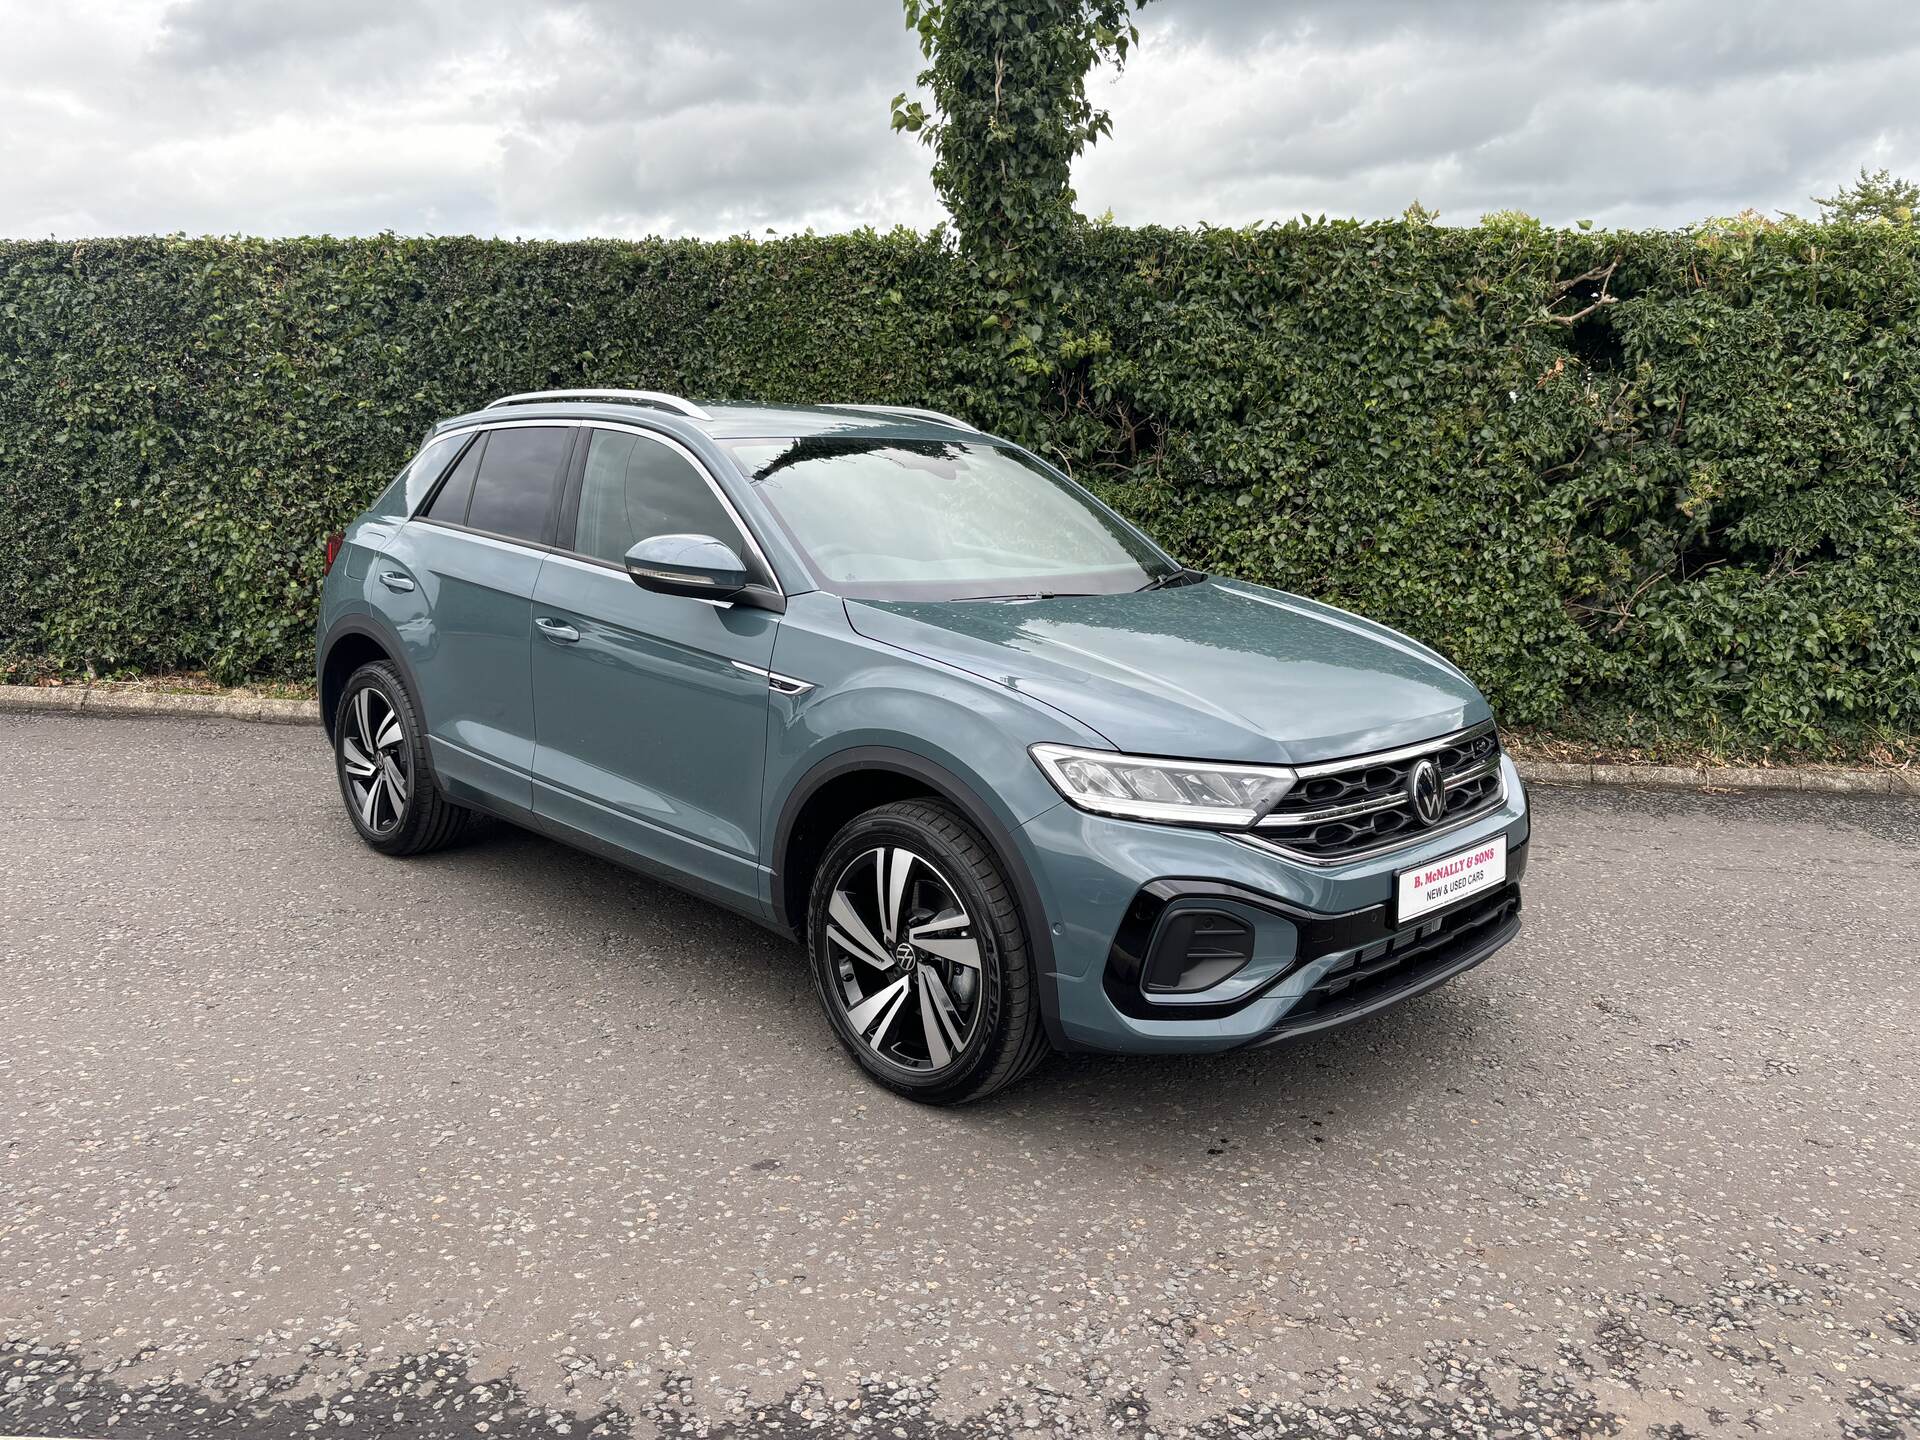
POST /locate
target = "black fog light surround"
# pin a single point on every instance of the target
(1195, 949)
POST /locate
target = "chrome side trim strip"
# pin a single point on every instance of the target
(1387, 757)
(660, 399)
(780, 684)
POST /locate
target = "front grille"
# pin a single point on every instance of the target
(1343, 809)
(1402, 961)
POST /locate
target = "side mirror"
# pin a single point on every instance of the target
(696, 565)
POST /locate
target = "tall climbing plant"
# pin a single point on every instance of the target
(1008, 80)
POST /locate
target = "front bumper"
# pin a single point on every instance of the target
(1322, 950)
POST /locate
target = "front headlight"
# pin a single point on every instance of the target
(1182, 792)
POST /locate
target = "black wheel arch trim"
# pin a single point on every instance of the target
(382, 635)
(957, 793)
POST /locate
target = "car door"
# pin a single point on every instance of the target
(652, 710)
(458, 584)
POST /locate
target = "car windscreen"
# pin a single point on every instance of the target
(943, 520)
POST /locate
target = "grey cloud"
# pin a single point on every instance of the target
(1676, 39)
(732, 167)
(750, 115)
(1624, 111)
(569, 117)
(225, 32)
(1234, 23)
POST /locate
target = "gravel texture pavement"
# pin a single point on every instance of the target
(295, 1139)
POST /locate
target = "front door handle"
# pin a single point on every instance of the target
(394, 580)
(557, 630)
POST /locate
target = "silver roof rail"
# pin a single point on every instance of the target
(657, 398)
(913, 411)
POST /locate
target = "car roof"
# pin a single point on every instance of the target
(733, 421)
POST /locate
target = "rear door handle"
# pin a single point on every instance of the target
(557, 630)
(394, 580)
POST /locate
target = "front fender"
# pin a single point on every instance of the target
(868, 695)
(874, 708)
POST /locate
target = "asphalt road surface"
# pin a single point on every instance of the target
(296, 1139)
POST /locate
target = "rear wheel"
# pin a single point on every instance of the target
(920, 957)
(380, 755)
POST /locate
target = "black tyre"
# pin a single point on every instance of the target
(380, 756)
(920, 956)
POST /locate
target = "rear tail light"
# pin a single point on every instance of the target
(334, 542)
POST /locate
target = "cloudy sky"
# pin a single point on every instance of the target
(714, 117)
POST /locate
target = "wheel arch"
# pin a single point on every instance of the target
(354, 641)
(852, 781)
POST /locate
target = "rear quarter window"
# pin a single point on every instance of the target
(401, 498)
(451, 503)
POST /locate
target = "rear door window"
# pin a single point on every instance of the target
(518, 479)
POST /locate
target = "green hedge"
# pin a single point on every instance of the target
(1698, 502)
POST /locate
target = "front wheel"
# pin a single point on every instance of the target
(920, 957)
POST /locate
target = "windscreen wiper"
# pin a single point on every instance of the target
(1035, 595)
(1167, 582)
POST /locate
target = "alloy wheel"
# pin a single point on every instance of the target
(905, 958)
(373, 761)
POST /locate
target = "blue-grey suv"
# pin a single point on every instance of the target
(902, 690)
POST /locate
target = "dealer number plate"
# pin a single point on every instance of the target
(1450, 879)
